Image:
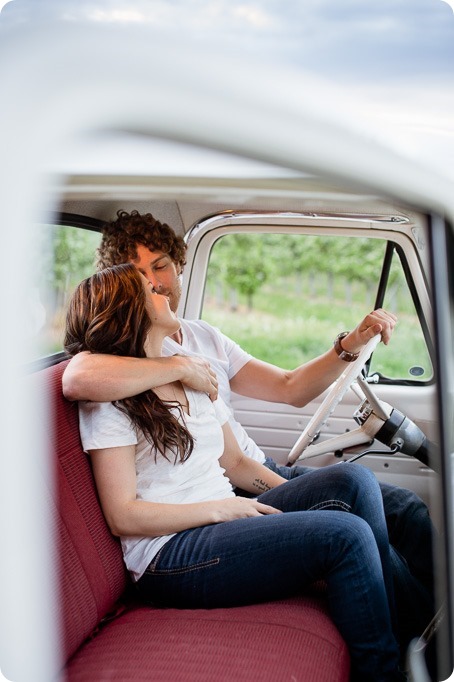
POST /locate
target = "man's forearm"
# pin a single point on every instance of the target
(104, 378)
(300, 386)
(296, 387)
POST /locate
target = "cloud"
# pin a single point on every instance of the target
(395, 57)
(385, 40)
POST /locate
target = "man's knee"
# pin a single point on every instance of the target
(400, 501)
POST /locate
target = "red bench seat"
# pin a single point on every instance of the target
(107, 635)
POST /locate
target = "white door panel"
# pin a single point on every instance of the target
(278, 425)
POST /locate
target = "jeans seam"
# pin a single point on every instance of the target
(329, 504)
(152, 568)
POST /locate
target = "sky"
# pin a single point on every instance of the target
(384, 40)
(394, 57)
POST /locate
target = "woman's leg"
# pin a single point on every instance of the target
(345, 487)
(271, 557)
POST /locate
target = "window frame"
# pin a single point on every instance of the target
(204, 234)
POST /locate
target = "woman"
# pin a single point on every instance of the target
(165, 462)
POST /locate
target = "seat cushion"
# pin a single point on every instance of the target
(291, 640)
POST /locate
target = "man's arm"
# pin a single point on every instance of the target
(298, 387)
(104, 378)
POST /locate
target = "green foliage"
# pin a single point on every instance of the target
(71, 252)
(241, 262)
(67, 255)
(311, 288)
(246, 262)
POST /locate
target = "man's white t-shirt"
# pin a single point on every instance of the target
(226, 358)
(198, 479)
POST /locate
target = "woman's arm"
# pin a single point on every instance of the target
(243, 471)
(115, 476)
(103, 378)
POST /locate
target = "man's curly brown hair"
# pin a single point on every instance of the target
(121, 237)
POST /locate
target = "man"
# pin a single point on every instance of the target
(215, 363)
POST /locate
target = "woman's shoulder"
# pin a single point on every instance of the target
(103, 425)
(94, 413)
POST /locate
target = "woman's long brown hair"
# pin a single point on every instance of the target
(107, 314)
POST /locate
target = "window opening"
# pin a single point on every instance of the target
(67, 255)
(284, 297)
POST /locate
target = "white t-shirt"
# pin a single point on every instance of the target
(226, 358)
(198, 479)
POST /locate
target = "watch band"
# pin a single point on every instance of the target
(343, 354)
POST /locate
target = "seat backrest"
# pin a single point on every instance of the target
(91, 571)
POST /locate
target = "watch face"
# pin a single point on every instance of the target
(348, 357)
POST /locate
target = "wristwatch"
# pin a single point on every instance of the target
(344, 354)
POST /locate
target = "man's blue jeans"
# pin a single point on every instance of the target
(333, 529)
(412, 537)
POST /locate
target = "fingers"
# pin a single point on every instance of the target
(213, 387)
(198, 374)
(252, 507)
(267, 509)
(380, 322)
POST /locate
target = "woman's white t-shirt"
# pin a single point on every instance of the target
(198, 479)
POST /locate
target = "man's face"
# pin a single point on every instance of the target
(161, 271)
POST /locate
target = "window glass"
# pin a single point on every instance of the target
(67, 255)
(407, 356)
(284, 298)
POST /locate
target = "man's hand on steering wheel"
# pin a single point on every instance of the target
(354, 348)
(377, 322)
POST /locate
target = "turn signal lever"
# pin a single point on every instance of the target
(397, 432)
(399, 429)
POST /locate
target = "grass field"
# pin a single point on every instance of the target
(287, 328)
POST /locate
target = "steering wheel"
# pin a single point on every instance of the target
(335, 395)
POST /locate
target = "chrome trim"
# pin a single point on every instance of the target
(267, 217)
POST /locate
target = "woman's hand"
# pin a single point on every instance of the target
(240, 508)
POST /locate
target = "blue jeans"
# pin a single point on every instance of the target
(271, 557)
(412, 537)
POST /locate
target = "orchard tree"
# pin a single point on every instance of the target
(69, 256)
(241, 261)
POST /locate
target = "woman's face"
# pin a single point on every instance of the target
(158, 309)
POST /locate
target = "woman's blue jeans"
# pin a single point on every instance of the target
(333, 529)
